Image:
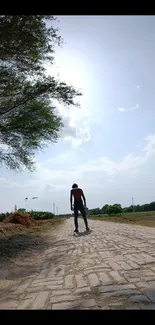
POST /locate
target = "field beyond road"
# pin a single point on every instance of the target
(137, 218)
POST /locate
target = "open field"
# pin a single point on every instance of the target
(138, 218)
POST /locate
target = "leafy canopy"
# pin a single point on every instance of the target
(29, 119)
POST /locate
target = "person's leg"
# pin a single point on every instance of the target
(76, 218)
(83, 212)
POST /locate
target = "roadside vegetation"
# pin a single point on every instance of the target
(137, 218)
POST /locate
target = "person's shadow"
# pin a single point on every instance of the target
(82, 233)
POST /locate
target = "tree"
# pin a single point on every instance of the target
(28, 95)
(152, 206)
(138, 208)
(104, 209)
(22, 210)
(114, 209)
(146, 207)
(128, 209)
(94, 211)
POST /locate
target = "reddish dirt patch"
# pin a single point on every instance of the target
(21, 219)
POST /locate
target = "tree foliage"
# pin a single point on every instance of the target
(104, 209)
(137, 208)
(28, 95)
(114, 209)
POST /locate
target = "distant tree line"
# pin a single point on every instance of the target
(117, 208)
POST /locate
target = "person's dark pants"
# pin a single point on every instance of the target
(78, 206)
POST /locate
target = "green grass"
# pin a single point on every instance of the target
(135, 214)
(138, 218)
(129, 214)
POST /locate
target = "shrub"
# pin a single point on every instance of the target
(37, 215)
(114, 209)
(41, 215)
(3, 216)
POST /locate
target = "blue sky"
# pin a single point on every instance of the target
(108, 145)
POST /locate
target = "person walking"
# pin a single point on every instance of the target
(79, 198)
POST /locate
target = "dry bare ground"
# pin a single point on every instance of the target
(19, 246)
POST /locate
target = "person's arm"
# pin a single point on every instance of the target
(71, 202)
(84, 199)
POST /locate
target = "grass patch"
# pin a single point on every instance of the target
(138, 218)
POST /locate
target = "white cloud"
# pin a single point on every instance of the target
(58, 158)
(107, 179)
(73, 70)
(122, 109)
(5, 183)
(150, 147)
(64, 177)
(138, 86)
(75, 130)
(130, 163)
(103, 166)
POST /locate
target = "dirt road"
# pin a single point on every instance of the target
(113, 267)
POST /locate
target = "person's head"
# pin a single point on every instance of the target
(74, 186)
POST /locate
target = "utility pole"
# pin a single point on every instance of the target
(26, 206)
(33, 198)
(132, 204)
(28, 201)
(54, 208)
(57, 211)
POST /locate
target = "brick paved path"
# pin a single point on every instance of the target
(111, 268)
